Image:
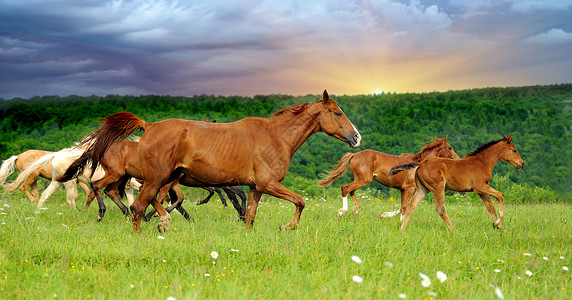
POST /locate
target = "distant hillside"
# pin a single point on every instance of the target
(539, 117)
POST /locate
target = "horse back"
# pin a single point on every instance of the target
(459, 175)
(27, 158)
(213, 153)
(378, 164)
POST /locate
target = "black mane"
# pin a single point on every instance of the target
(484, 146)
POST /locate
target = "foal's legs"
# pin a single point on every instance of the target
(487, 190)
(439, 194)
(71, 192)
(360, 180)
(420, 193)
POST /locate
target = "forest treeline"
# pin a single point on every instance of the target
(538, 117)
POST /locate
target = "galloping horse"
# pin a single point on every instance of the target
(120, 164)
(471, 173)
(368, 165)
(252, 151)
(59, 162)
(21, 162)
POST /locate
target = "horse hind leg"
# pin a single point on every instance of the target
(420, 193)
(31, 182)
(276, 189)
(405, 196)
(71, 193)
(440, 207)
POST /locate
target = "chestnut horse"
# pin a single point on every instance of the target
(120, 164)
(368, 165)
(253, 151)
(471, 173)
(22, 161)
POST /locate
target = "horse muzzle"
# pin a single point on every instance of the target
(354, 140)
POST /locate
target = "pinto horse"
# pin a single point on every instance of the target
(253, 151)
(59, 162)
(368, 165)
(21, 162)
(471, 173)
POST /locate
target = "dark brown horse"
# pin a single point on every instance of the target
(368, 165)
(471, 173)
(120, 164)
(253, 151)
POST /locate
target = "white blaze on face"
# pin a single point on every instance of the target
(355, 129)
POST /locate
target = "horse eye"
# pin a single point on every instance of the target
(514, 151)
(338, 113)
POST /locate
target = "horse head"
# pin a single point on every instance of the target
(445, 149)
(334, 122)
(510, 154)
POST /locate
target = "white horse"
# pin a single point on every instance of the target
(24, 160)
(60, 161)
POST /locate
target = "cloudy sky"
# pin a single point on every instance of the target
(296, 47)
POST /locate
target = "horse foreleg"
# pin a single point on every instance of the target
(276, 189)
(420, 193)
(489, 205)
(176, 193)
(350, 188)
(48, 192)
(498, 195)
(89, 199)
(164, 217)
(253, 199)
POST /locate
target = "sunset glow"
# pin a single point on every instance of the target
(264, 47)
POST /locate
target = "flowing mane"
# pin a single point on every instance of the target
(484, 146)
(296, 110)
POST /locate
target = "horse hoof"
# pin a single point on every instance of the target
(99, 218)
(341, 212)
(287, 228)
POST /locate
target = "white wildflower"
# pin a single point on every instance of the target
(528, 273)
(214, 254)
(527, 254)
(441, 276)
(161, 237)
(357, 279)
(402, 296)
(565, 268)
(498, 292)
(356, 259)
(388, 264)
(426, 282)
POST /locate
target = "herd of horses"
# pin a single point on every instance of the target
(252, 152)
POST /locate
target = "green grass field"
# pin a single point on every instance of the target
(60, 253)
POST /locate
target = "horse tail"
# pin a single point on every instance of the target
(7, 168)
(338, 172)
(116, 127)
(400, 168)
(28, 171)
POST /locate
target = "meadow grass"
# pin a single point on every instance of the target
(60, 253)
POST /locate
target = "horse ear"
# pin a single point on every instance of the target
(326, 97)
(509, 140)
(436, 139)
(445, 139)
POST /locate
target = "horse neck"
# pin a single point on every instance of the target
(490, 156)
(295, 129)
(425, 154)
